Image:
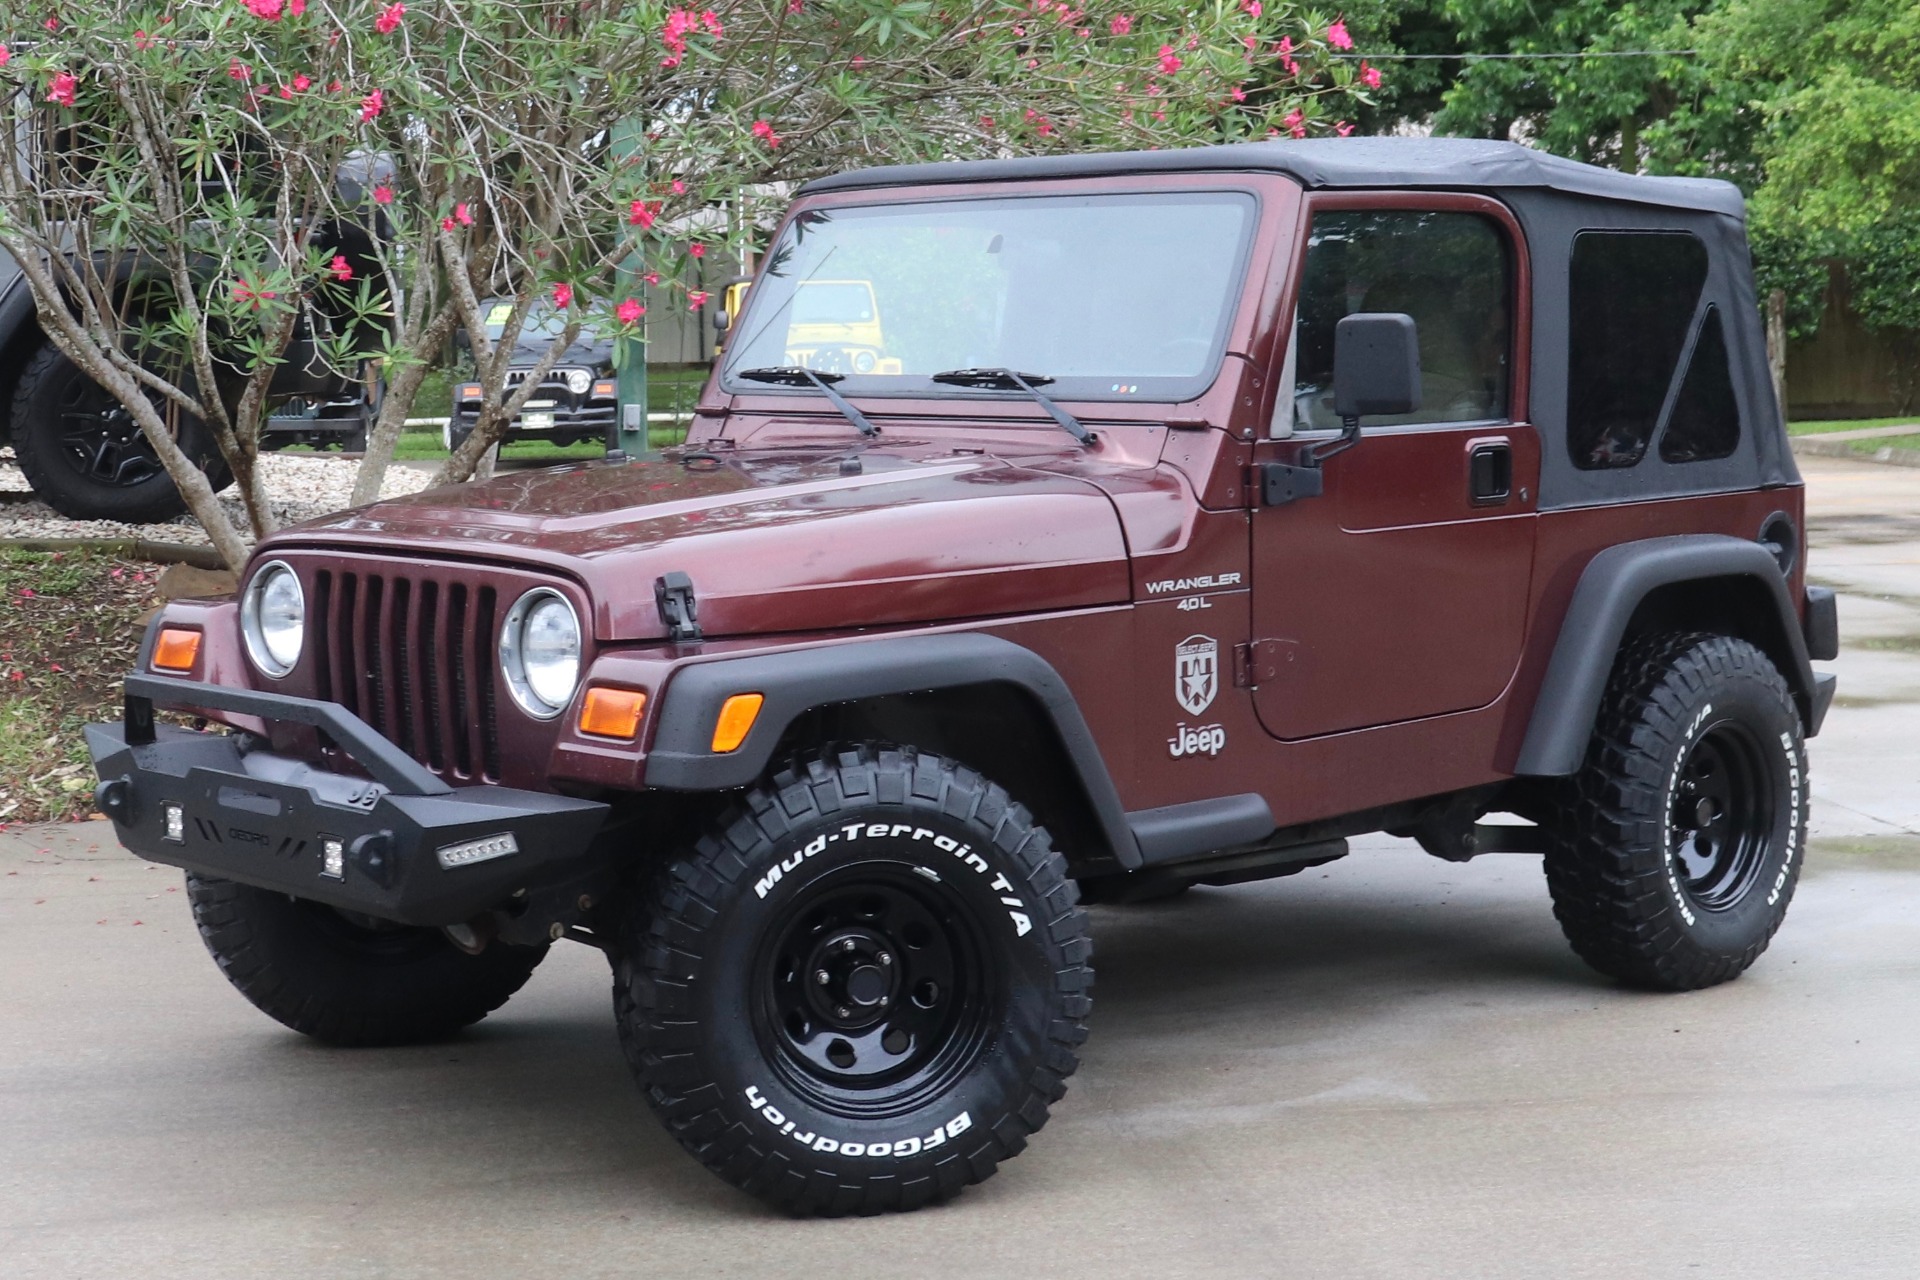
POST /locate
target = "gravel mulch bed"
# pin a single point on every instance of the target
(303, 487)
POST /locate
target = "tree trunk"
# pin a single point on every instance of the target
(1777, 346)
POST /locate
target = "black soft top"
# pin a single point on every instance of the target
(1426, 163)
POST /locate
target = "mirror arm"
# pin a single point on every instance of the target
(1349, 437)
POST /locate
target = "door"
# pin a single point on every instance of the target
(1401, 591)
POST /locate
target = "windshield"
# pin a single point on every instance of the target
(542, 320)
(1112, 297)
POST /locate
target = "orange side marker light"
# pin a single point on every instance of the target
(612, 713)
(736, 721)
(176, 649)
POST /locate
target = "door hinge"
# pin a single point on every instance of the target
(679, 611)
(1283, 482)
(1243, 666)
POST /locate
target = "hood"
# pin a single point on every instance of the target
(595, 353)
(774, 540)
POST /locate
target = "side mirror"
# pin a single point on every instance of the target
(1376, 365)
(721, 320)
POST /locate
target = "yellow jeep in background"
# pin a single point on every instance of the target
(834, 326)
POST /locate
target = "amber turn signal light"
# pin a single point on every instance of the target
(736, 721)
(176, 649)
(612, 713)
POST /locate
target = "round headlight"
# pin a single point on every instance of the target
(578, 380)
(540, 652)
(273, 619)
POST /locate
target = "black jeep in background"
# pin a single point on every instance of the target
(578, 399)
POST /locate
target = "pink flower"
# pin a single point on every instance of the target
(679, 188)
(1337, 35)
(265, 10)
(61, 88)
(793, 6)
(697, 249)
(383, 194)
(51, 24)
(244, 292)
(1120, 25)
(696, 298)
(389, 20)
(563, 295)
(461, 216)
(652, 277)
(446, 224)
(1369, 76)
(642, 213)
(629, 312)
(296, 7)
(1285, 50)
(341, 268)
(1343, 128)
(302, 83)
(1169, 63)
(371, 106)
(239, 70)
(141, 41)
(764, 131)
(1252, 7)
(1239, 94)
(334, 86)
(986, 122)
(6, 53)
(1296, 123)
(286, 92)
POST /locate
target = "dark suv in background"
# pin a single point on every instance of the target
(577, 401)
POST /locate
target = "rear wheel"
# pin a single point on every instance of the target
(1677, 849)
(346, 979)
(865, 991)
(86, 457)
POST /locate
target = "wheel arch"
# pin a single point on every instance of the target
(20, 336)
(1704, 582)
(989, 703)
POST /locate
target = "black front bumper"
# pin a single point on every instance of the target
(403, 846)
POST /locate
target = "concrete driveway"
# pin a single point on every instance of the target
(1390, 1066)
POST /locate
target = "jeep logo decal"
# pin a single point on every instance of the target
(1196, 673)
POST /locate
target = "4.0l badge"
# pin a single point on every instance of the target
(1196, 673)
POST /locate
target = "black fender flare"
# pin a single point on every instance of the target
(795, 681)
(1610, 589)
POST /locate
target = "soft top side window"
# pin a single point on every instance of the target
(1451, 271)
(1705, 421)
(1633, 299)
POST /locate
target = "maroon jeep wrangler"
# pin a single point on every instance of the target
(1207, 508)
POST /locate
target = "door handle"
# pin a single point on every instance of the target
(1490, 473)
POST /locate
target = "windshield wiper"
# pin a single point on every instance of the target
(1008, 380)
(793, 375)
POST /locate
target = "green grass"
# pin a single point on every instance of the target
(1850, 424)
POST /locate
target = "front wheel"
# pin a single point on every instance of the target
(864, 992)
(346, 979)
(1676, 851)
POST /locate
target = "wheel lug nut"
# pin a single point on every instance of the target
(883, 1002)
(848, 945)
(841, 1011)
(822, 977)
(885, 957)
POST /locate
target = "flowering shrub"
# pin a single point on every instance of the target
(362, 175)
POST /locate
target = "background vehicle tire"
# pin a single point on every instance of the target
(84, 455)
(348, 981)
(864, 990)
(1676, 850)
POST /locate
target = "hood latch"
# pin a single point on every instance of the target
(679, 611)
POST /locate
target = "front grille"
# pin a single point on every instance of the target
(413, 657)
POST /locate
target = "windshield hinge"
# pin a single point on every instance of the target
(679, 611)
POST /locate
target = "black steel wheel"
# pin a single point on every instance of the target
(1676, 849)
(86, 457)
(864, 991)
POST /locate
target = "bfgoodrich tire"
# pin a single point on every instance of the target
(349, 981)
(1676, 851)
(864, 991)
(83, 454)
